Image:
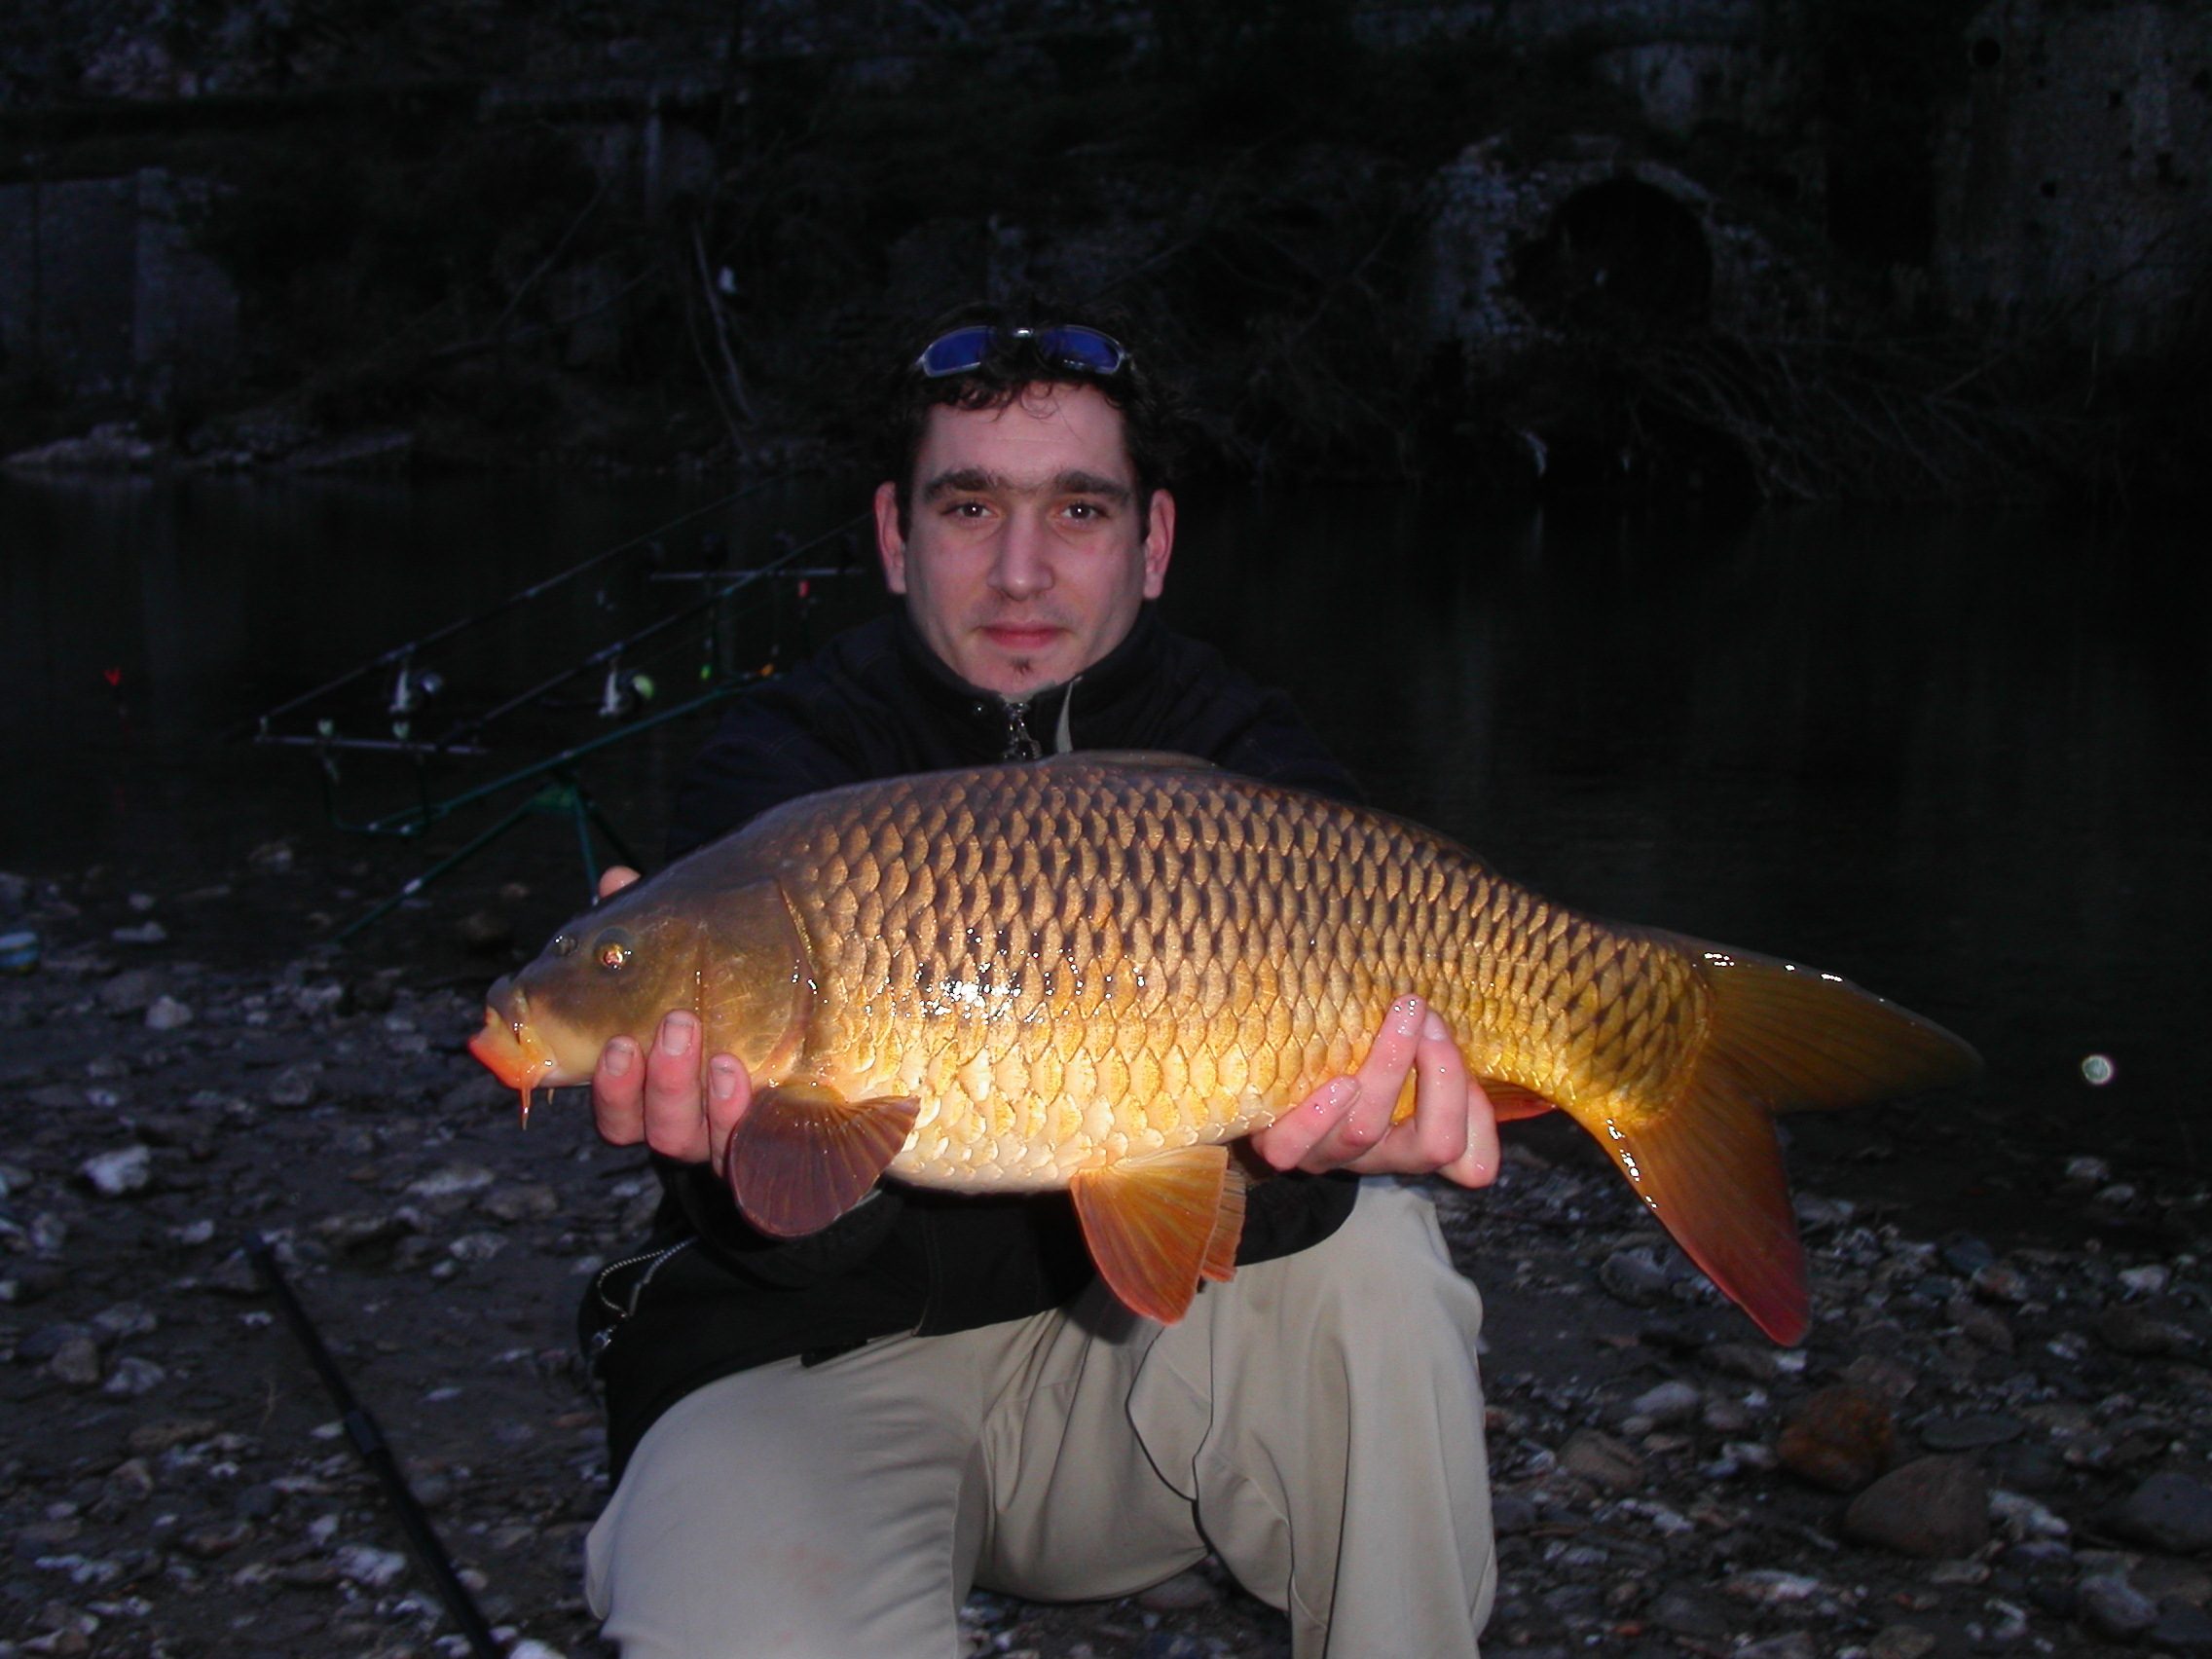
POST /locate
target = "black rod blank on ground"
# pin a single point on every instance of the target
(369, 1441)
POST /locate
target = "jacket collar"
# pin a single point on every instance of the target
(1094, 710)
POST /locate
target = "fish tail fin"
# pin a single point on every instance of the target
(1708, 1163)
(1805, 1041)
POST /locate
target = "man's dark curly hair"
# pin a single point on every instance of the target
(1155, 419)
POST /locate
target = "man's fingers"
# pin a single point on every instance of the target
(675, 1114)
(1442, 1121)
(1364, 1123)
(1290, 1139)
(656, 1097)
(729, 1091)
(614, 878)
(618, 1094)
(1477, 1166)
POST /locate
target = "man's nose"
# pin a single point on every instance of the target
(1023, 566)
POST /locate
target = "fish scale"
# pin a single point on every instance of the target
(1174, 976)
(1089, 971)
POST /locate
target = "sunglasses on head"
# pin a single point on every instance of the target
(1064, 345)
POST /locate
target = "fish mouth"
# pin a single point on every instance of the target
(510, 1046)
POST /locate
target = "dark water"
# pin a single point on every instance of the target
(1960, 758)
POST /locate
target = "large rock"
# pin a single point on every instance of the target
(2169, 1512)
(1934, 1507)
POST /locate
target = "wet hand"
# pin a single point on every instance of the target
(1345, 1122)
(655, 1097)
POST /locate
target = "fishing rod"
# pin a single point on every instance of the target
(727, 587)
(401, 652)
(375, 1451)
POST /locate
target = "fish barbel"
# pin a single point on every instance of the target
(1097, 971)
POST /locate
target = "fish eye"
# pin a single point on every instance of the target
(612, 949)
(564, 944)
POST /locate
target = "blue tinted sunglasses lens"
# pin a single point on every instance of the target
(1064, 345)
(956, 353)
(1080, 348)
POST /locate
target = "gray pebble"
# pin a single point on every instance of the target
(1969, 1432)
(38, 1346)
(1633, 1276)
(1795, 1645)
(134, 1376)
(76, 1362)
(1686, 1612)
(126, 1319)
(477, 1246)
(2169, 1512)
(453, 1181)
(258, 1501)
(131, 990)
(120, 1173)
(1668, 1403)
(295, 1085)
(166, 1014)
(1965, 1254)
(2112, 1607)
(2183, 1628)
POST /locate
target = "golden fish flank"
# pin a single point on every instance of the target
(1094, 971)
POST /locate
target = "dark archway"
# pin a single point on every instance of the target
(1620, 256)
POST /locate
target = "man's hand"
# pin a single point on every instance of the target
(1345, 1122)
(655, 1097)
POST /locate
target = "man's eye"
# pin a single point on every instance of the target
(1086, 510)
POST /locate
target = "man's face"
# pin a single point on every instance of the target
(1025, 557)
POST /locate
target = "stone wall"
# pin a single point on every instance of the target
(103, 295)
(2075, 179)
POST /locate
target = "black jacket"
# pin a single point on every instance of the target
(707, 1296)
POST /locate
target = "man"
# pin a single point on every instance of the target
(820, 1444)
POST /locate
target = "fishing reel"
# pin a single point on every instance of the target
(624, 692)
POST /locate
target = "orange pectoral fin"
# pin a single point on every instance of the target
(1157, 1224)
(802, 1154)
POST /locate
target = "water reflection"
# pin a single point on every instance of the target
(1957, 757)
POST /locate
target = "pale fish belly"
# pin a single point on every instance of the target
(1018, 1096)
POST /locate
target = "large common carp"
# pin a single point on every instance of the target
(1097, 971)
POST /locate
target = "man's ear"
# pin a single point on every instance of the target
(1159, 541)
(889, 540)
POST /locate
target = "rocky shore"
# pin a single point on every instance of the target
(1995, 1439)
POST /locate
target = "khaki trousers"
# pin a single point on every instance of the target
(1317, 1420)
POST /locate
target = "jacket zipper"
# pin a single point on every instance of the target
(1019, 744)
(653, 1261)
